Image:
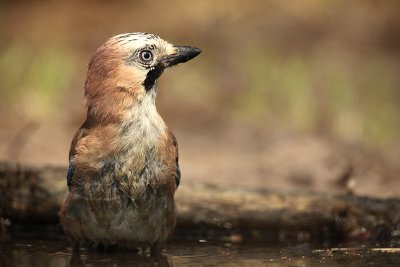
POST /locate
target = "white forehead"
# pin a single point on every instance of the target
(137, 40)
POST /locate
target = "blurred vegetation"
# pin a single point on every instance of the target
(329, 67)
(322, 93)
(34, 80)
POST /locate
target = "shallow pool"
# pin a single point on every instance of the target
(50, 248)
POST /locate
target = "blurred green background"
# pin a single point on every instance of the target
(329, 68)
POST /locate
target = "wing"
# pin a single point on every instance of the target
(82, 132)
(178, 170)
(178, 175)
(70, 174)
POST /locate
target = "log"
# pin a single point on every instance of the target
(32, 195)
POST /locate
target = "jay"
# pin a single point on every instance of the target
(124, 169)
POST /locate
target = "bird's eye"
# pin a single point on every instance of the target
(146, 56)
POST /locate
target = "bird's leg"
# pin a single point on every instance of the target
(155, 249)
(75, 246)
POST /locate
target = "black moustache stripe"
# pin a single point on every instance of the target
(152, 76)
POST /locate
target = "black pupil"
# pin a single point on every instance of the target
(146, 55)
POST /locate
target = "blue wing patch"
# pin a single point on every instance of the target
(70, 174)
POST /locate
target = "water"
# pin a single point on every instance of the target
(50, 248)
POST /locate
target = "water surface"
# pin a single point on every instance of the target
(49, 248)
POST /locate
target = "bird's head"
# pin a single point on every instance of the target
(130, 64)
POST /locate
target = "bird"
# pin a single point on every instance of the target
(123, 161)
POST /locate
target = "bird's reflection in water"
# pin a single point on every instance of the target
(117, 259)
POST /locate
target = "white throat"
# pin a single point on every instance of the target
(143, 126)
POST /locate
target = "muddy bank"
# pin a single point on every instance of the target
(34, 195)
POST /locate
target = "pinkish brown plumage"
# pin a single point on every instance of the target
(124, 160)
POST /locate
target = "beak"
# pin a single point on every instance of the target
(181, 55)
